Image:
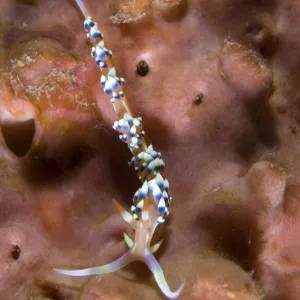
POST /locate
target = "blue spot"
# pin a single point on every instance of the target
(88, 24)
(149, 169)
(157, 167)
(139, 157)
(160, 184)
(114, 83)
(165, 195)
(143, 194)
(161, 209)
(96, 35)
(157, 196)
(132, 131)
(107, 90)
(123, 138)
(100, 53)
(103, 65)
(143, 167)
(98, 62)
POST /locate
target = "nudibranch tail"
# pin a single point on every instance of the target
(124, 260)
(150, 202)
(118, 264)
(159, 276)
(125, 215)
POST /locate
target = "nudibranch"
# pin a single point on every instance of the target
(151, 202)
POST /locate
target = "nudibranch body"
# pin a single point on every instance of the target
(151, 202)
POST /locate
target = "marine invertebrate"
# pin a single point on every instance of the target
(152, 200)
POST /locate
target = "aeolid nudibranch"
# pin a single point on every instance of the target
(151, 202)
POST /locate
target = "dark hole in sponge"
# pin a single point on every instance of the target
(30, 2)
(18, 136)
(51, 291)
(198, 99)
(15, 253)
(142, 68)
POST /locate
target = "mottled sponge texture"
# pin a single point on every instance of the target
(217, 86)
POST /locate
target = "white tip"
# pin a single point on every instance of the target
(128, 240)
(161, 206)
(158, 273)
(144, 190)
(140, 206)
(102, 79)
(160, 220)
(156, 246)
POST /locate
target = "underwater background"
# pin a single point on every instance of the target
(216, 84)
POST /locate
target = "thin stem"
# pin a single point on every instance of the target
(82, 8)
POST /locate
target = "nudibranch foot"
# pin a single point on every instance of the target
(159, 276)
(118, 264)
(124, 260)
(139, 250)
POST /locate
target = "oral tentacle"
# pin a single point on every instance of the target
(125, 215)
(128, 240)
(116, 265)
(159, 276)
(156, 246)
